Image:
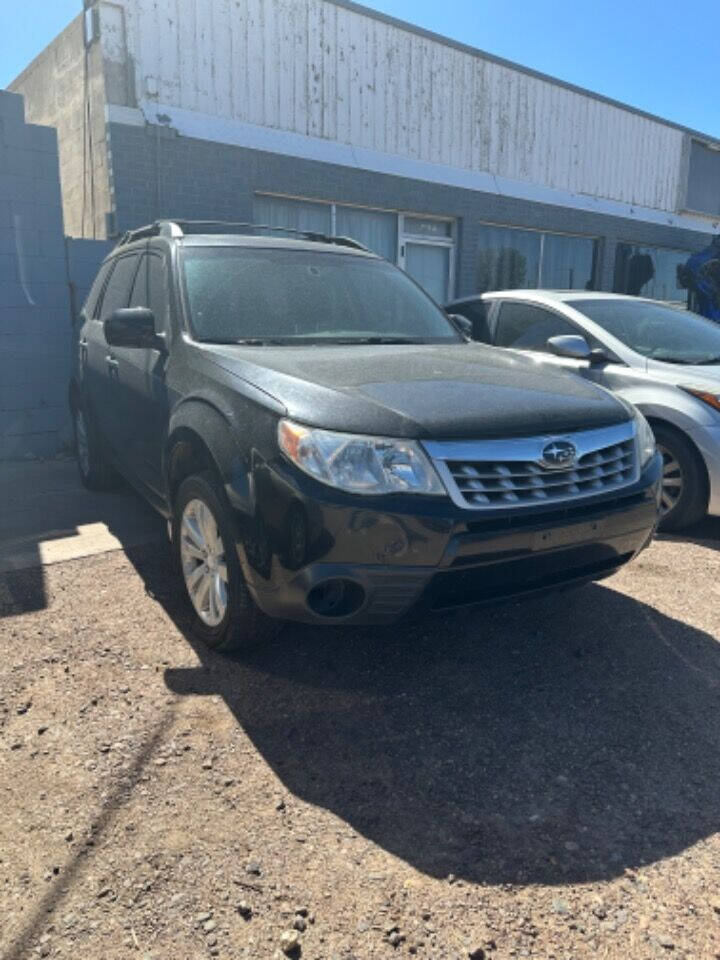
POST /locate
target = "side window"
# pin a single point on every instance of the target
(93, 298)
(523, 326)
(477, 312)
(139, 296)
(158, 300)
(117, 292)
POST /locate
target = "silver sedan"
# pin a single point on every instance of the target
(663, 359)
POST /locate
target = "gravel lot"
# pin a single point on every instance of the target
(537, 780)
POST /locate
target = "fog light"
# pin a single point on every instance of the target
(336, 598)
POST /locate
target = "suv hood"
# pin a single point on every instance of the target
(424, 391)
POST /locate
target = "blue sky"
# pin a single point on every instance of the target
(656, 55)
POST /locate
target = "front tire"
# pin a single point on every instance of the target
(684, 489)
(224, 614)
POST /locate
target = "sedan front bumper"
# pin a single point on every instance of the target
(434, 558)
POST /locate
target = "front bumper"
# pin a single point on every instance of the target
(707, 440)
(437, 556)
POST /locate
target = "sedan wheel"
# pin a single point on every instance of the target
(673, 481)
(204, 566)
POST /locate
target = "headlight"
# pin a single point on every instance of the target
(711, 399)
(645, 438)
(358, 464)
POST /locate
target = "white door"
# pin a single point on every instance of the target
(430, 266)
(426, 252)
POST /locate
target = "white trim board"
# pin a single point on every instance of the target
(201, 126)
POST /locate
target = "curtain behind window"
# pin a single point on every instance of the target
(296, 214)
(567, 263)
(375, 230)
(507, 259)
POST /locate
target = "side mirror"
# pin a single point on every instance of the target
(572, 346)
(463, 326)
(133, 327)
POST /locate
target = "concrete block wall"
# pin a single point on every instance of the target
(36, 339)
(83, 261)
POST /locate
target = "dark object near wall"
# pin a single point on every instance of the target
(701, 276)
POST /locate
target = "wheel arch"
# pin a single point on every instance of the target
(202, 437)
(656, 420)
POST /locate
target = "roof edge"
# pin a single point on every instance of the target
(512, 65)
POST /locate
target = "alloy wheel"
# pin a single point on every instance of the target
(673, 481)
(204, 567)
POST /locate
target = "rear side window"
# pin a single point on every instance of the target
(117, 292)
(94, 296)
(523, 326)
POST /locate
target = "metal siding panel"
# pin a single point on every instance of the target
(311, 67)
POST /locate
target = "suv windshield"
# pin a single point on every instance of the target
(269, 295)
(654, 330)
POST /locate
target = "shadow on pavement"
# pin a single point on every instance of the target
(705, 534)
(48, 516)
(562, 739)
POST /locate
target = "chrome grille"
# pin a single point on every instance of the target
(511, 473)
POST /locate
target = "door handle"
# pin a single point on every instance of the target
(112, 364)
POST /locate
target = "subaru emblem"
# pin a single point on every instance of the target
(558, 455)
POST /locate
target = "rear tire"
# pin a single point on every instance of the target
(95, 472)
(224, 614)
(684, 497)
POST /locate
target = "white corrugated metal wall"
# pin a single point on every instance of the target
(314, 68)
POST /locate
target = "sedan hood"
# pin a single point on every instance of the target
(420, 391)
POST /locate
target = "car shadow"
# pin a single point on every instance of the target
(561, 739)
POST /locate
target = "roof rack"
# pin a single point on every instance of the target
(181, 228)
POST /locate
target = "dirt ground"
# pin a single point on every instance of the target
(537, 780)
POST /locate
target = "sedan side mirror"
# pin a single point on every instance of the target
(463, 326)
(572, 346)
(133, 327)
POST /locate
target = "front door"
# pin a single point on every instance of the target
(140, 395)
(427, 250)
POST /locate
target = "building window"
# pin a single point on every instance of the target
(378, 231)
(649, 272)
(294, 214)
(513, 259)
(423, 246)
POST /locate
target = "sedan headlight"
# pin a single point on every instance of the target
(645, 438)
(711, 399)
(359, 464)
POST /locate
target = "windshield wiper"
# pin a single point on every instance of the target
(673, 358)
(372, 341)
(706, 361)
(248, 342)
(667, 358)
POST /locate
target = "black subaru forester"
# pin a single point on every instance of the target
(328, 446)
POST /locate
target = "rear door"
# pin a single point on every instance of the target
(92, 348)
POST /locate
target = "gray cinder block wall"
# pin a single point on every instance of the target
(35, 303)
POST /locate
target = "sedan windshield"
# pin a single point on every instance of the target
(279, 296)
(654, 330)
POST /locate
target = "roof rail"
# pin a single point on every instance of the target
(181, 228)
